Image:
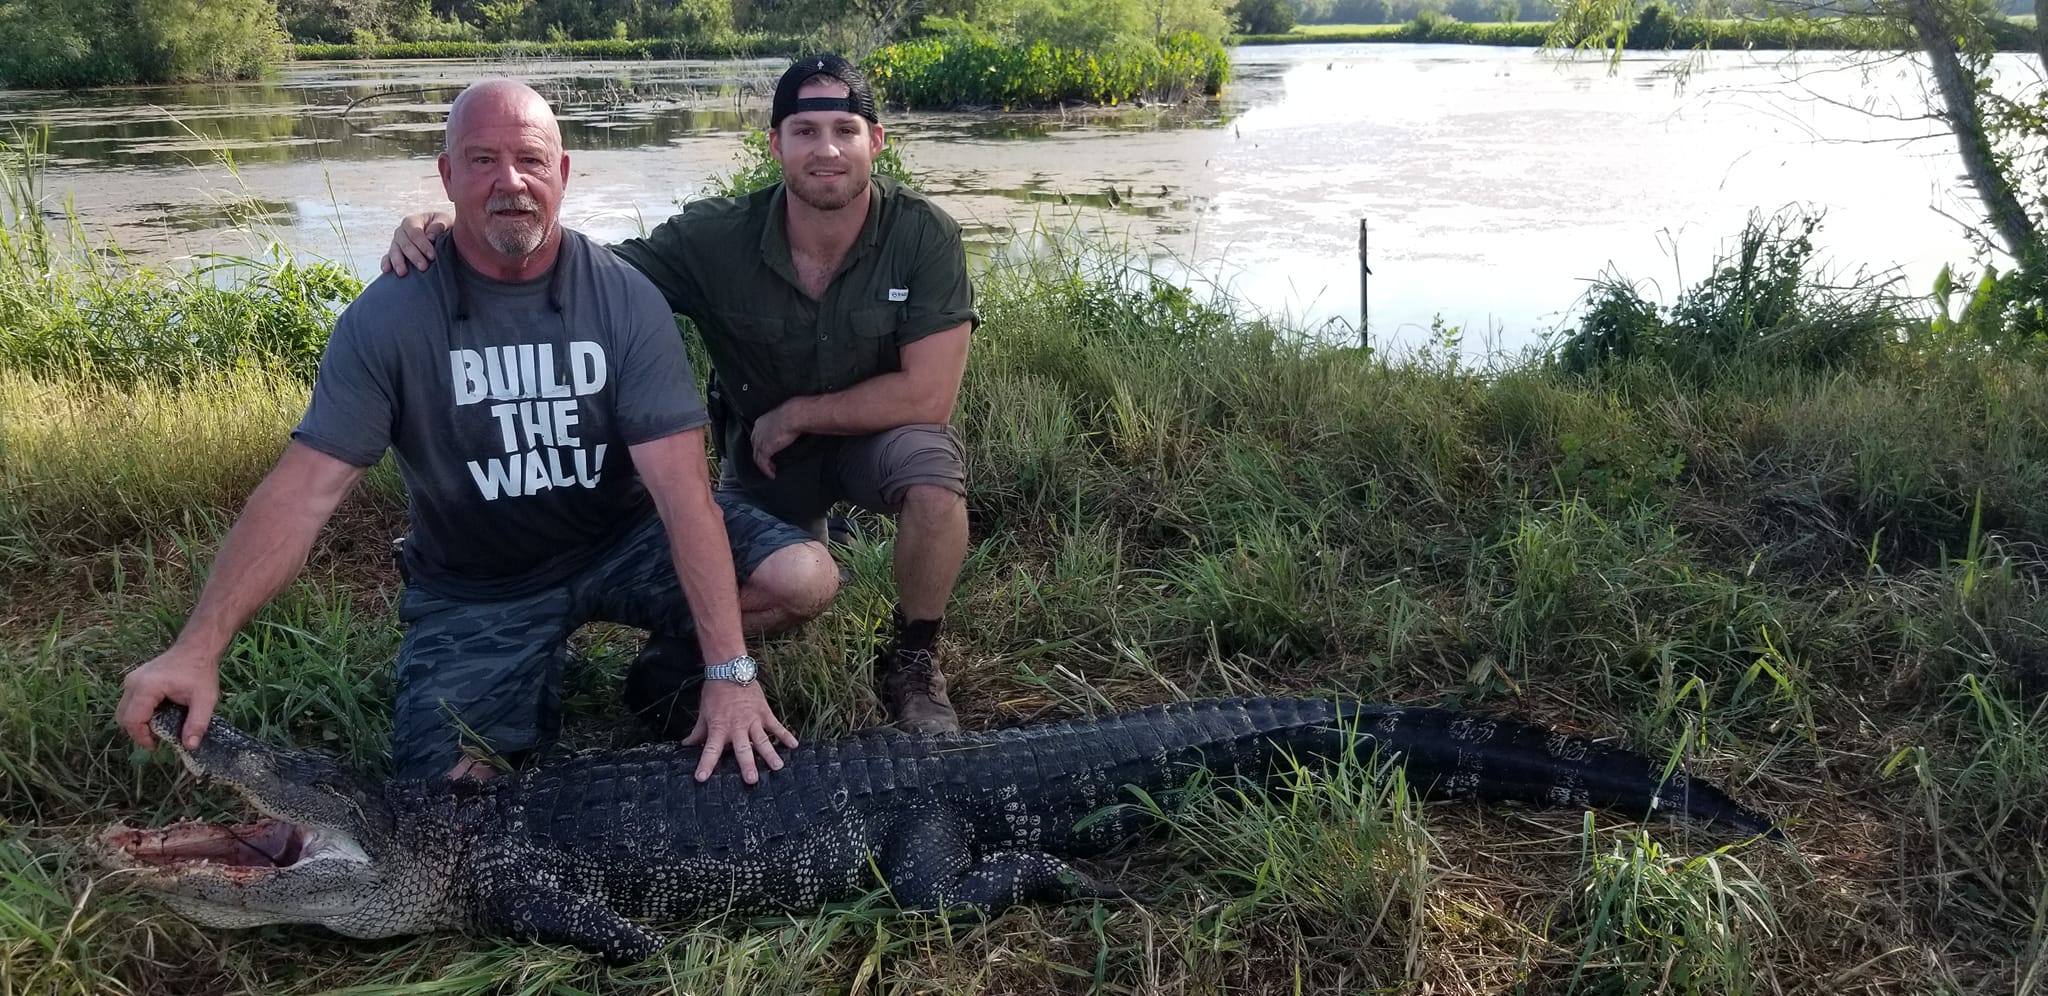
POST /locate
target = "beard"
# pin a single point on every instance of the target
(515, 236)
(823, 197)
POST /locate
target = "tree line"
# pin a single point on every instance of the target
(95, 42)
(72, 43)
(872, 22)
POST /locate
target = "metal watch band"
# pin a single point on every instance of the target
(740, 669)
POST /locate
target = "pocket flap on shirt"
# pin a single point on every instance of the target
(875, 320)
(753, 326)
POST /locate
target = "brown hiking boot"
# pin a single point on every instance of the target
(913, 689)
(914, 693)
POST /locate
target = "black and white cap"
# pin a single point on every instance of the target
(859, 99)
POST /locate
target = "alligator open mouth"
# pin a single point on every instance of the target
(239, 850)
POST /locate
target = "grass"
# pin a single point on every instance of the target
(1816, 583)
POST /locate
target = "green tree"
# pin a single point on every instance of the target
(1263, 17)
(346, 20)
(1363, 11)
(1083, 23)
(99, 42)
(55, 43)
(207, 39)
(1208, 18)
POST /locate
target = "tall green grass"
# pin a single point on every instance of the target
(1814, 582)
(70, 306)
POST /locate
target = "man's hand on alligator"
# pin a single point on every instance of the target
(736, 716)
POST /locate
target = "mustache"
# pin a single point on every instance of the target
(512, 202)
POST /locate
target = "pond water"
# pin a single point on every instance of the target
(1495, 182)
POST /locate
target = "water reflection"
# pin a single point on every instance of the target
(343, 111)
(236, 213)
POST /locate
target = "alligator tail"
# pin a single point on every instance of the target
(1455, 755)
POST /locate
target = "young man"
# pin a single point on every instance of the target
(551, 441)
(836, 310)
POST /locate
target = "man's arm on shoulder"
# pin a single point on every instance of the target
(664, 257)
(266, 547)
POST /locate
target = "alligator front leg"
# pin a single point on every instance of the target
(928, 864)
(532, 912)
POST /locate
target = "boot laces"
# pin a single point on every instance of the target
(921, 666)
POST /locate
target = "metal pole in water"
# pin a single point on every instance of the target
(1364, 280)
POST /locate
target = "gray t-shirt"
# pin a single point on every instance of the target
(510, 407)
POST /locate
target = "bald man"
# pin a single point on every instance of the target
(541, 408)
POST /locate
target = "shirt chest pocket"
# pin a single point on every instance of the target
(870, 346)
(765, 358)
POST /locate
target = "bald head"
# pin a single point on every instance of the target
(500, 101)
(503, 166)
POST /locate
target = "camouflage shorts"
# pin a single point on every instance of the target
(490, 673)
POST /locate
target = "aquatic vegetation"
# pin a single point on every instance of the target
(959, 71)
(69, 306)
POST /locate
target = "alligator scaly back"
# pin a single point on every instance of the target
(1450, 754)
(578, 849)
(1446, 754)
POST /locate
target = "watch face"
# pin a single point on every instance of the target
(740, 669)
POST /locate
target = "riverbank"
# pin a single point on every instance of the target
(1813, 577)
(734, 47)
(2009, 35)
(1846, 34)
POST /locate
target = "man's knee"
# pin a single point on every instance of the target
(796, 582)
(928, 500)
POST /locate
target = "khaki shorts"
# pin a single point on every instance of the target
(872, 472)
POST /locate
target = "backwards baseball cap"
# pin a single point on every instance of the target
(859, 99)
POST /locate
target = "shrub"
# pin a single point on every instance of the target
(1762, 303)
(1263, 17)
(1654, 27)
(950, 72)
(99, 42)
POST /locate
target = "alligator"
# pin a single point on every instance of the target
(577, 850)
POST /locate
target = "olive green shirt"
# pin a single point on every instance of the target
(725, 263)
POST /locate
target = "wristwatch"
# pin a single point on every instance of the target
(740, 670)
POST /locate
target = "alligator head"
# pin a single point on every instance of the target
(326, 851)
